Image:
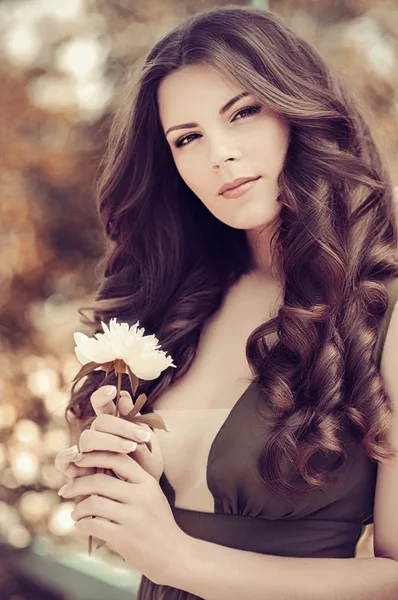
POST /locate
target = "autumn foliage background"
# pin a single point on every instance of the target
(62, 65)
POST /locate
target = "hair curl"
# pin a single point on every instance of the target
(169, 263)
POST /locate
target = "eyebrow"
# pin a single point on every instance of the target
(221, 112)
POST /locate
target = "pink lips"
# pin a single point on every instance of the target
(233, 184)
(240, 187)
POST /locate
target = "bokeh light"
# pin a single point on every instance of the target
(25, 467)
(27, 432)
(64, 66)
(60, 522)
(18, 536)
(8, 415)
(35, 506)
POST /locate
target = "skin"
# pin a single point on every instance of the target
(135, 518)
(242, 142)
(107, 433)
(239, 143)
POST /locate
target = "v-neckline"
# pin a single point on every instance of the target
(224, 426)
(214, 442)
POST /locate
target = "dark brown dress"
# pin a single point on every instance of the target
(323, 523)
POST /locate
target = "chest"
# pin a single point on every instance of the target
(220, 372)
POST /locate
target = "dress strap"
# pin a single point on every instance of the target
(392, 288)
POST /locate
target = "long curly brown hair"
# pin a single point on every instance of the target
(169, 262)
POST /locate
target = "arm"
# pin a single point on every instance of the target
(215, 572)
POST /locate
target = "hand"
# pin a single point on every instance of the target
(107, 432)
(139, 524)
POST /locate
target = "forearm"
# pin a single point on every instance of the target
(215, 572)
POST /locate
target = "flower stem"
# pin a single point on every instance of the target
(119, 387)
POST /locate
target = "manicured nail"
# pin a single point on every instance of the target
(78, 457)
(145, 436)
(62, 489)
(72, 451)
(130, 446)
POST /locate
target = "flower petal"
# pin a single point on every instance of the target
(120, 341)
(94, 350)
(148, 366)
(80, 337)
(81, 356)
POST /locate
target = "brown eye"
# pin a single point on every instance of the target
(179, 142)
(247, 111)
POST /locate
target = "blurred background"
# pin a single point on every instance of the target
(62, 64)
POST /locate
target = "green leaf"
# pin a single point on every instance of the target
(85, 370)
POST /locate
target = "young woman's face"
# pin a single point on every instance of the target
(214, 144)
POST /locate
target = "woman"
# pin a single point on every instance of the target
(250, 227)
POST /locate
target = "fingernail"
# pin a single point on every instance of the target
(130, 446)
(72, 450)
(78, 457)
(145, 436)
(108, 390)
(62, 489)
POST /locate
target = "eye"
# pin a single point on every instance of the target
(247, 111)
(180, 141)
(242, 113)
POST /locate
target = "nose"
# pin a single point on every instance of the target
(221, 153)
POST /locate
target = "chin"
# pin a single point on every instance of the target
(244, 226)
(250, 224)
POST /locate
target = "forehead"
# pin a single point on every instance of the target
(191, 89)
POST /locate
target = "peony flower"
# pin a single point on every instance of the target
(140, 352)
(124, 349)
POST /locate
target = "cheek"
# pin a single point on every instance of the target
(282, 138)
(192, 173)
(272, 142)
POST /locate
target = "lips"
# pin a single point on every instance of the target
(234, 184)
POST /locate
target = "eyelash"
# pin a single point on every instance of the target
(253, 110)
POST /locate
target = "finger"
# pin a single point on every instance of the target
(118, 426)
(91, 439)
(121, 464)
(151, 462)
(125, 403)
(99, 506)
(101, 529)
(102, 400)
(99, 484)
(63, 463)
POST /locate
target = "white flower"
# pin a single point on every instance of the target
(140, 352)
